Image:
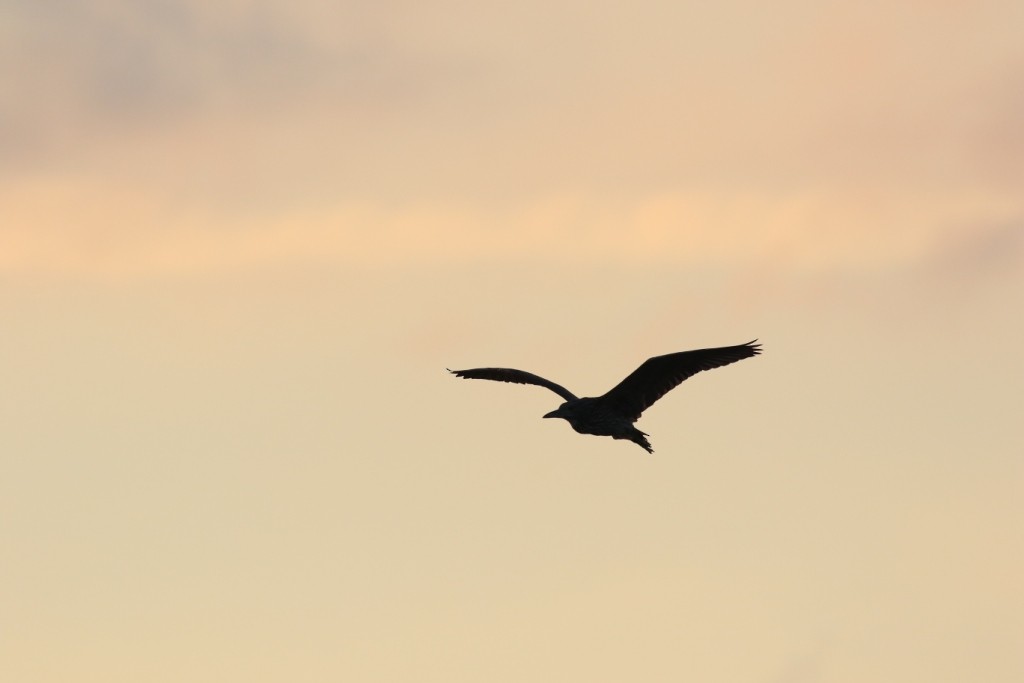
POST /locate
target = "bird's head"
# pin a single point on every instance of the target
(563, 411)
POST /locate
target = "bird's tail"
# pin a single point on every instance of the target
(640, 439)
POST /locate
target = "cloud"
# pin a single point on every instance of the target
(174, 136)
(120, 230)
(981, 251)
(999, 138)
(98, 68)
(532, 94)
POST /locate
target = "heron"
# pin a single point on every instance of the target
(613, 413)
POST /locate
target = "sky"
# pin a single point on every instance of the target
(240, 242)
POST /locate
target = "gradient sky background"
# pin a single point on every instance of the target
(240, 241)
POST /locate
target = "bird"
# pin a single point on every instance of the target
(613, 413)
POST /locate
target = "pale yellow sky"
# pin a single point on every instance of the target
(240, 242)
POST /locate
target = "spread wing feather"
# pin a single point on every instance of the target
(515, 377)
(657, 376)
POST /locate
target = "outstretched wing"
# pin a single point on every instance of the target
(659, 375)
(516, 377)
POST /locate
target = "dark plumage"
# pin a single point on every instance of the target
(614, 413)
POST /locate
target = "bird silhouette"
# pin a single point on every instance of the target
(614, 413)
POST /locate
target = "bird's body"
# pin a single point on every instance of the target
(613, 413)
(593, 416)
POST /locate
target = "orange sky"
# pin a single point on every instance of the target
(240, 242)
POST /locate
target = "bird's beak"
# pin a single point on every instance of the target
(553, 413)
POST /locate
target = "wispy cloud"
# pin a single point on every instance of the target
(182, 135)
(96, 68)
(981, 251)
(128, 231)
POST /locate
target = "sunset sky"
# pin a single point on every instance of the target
(240, 242)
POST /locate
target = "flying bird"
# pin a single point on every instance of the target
(614, 413)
